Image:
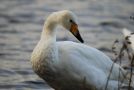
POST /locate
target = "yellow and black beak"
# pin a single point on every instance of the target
(74, 30)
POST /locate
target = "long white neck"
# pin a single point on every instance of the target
(48, 39)
(46, 50)
(49, 32)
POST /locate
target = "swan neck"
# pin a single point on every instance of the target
(48, 34)
(49, 31)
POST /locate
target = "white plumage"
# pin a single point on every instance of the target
(67, 65)
(129, 41)
(130, 36)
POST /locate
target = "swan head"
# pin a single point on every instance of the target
(69, 21)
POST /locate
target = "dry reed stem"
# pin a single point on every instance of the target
(119, 56)
(131, 73)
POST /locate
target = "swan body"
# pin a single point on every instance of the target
(66, 65)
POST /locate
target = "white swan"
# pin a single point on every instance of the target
(68, 65)
(130, 36)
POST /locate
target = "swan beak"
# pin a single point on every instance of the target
(74, 30)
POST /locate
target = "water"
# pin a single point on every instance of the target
(21, 22)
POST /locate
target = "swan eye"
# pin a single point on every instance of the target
(71, 20)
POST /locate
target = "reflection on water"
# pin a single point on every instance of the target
(21, 22)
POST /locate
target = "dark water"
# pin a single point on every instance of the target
(21, 23)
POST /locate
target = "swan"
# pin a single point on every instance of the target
(130, 35)
(67, 65)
